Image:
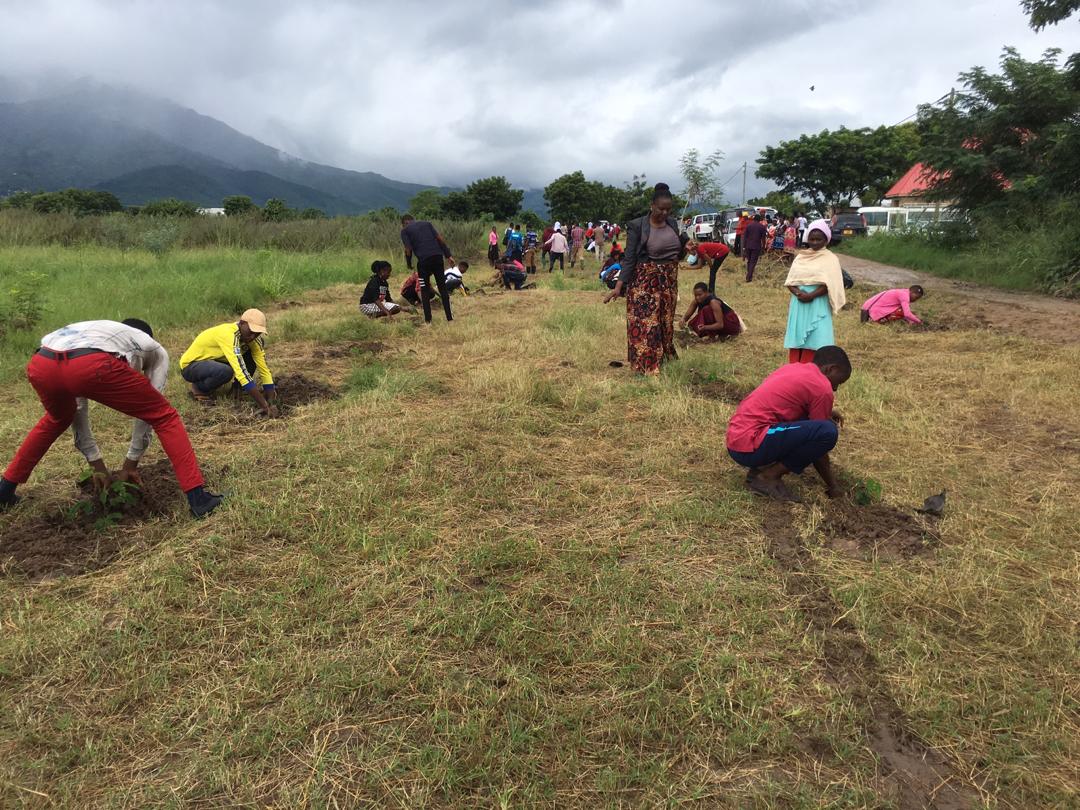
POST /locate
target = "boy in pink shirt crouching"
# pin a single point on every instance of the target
(788, 423)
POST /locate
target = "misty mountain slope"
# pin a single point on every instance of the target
(89, 134)
(210, 188)
(45, 145)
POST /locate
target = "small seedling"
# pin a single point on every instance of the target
(867, 491)
(111, 503)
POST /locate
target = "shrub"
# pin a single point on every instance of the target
(169, 207)
(25, 304)
(160, 240)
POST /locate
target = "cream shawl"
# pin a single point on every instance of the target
(819, 267)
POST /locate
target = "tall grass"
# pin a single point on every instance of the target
(125, 232)
(181, 288)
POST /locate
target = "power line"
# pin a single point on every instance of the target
(938, 101)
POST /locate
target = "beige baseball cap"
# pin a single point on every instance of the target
(255, 319)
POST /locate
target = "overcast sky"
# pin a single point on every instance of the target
(447, 92)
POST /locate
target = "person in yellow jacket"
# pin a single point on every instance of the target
(225, 353)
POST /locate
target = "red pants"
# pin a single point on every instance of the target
(801, 355)
(112, 382)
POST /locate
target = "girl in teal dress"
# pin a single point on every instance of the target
(816, 284)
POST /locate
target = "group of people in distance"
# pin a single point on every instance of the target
(788, 423)
(122, 366)
(556, 245)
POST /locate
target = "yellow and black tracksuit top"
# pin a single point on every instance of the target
(222, 343)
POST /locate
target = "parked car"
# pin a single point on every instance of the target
(848, 224)
(702, 227)
(728, 237)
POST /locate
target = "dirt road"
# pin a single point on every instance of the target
(1056, 320)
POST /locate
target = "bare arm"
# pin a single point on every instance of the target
(824, 468)
(718, 313)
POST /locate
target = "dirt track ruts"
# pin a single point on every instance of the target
(1036, 316)
(914, 775)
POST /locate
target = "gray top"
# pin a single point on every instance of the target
(663, 245)
(638, 235)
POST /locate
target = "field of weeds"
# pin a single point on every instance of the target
(476, 565)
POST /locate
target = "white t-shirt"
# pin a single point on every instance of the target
(142, 353)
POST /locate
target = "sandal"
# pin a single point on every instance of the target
(202, 399)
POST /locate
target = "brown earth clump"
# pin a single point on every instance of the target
(876, 531)
(83, 536)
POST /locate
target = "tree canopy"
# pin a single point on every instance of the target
(495, 196)
(699, 174)
(1013, 133)
(1049, 12)
(832, 168)
(238, 205)
(169, 207)
(79, 201)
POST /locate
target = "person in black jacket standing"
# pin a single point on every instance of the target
(650, 278)
(424, 242)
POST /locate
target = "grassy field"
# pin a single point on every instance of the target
(497, 571)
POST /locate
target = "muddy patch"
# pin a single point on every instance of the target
(234, 408)
(877, 531)
(912, 774)
(89, 532)
(705, 385)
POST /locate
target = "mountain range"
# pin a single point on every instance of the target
(89, 135)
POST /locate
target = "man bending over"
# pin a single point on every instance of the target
(121, 366)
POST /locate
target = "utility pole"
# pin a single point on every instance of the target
(743, 200)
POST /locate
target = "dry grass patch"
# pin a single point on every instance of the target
(496, 571)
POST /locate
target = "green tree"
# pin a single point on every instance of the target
(238, 205)
(312, 213)
(530, 219)
(18, 199)
(782, 201)
(572, 198)
(1049, 12)
(699, 174)
(276, 210)
(385, 214)
(169, 207)
(494, 195)
(426, 204)
(1005, 136)
(456, 205)
(833, 168)
(78, 201)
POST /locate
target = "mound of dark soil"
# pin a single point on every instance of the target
(297, 389)
(876, 530)
(234, 409)
(83, 536)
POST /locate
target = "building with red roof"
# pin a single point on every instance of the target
(911, 189)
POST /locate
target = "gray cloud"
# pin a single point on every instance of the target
(444, 93)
